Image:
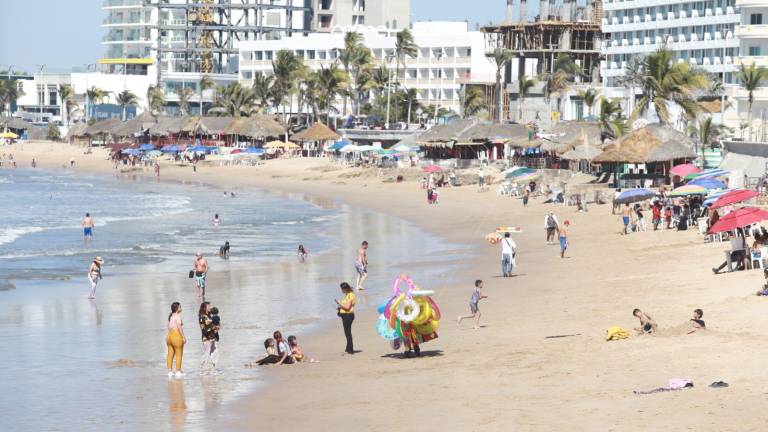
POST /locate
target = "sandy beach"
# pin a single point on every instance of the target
(511, 374)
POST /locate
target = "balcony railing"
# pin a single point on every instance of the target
(125, 3)
(682, 19)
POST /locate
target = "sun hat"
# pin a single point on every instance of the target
(99, 260)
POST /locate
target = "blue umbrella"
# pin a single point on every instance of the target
(338, 145)
(132, 152)
(147, 147)
(707, 182)
(254, 150)
(634, 195)
(198, 148)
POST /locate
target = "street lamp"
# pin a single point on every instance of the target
(42, 93)
(390, 57)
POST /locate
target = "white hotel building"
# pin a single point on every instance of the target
(705, 33)
(449, 54)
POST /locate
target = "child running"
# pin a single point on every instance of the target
(473, 304)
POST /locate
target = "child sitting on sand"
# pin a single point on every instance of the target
(696, 322)
(297, 352)
(647, 324)
(473, 304)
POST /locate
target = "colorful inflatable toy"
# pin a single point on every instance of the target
(410, 315)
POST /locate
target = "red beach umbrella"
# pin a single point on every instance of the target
(735, 196)
(431, 169)
(740, 218)
(684, 170)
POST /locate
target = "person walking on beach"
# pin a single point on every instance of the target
(562, 235)
(34, 163)
(526, 195)
(346, 311)
(474, 301)
(550, 226)
(361, 265)
(626, 217)
(201, 271)
(94, 274)
(175, 340)
(88, 226)
(480, 180)
(508, 251)
(157, 169)
(207, 332)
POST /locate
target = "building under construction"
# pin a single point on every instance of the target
(202, 35)
(561, 27)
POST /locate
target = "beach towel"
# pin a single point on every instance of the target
(616, 333)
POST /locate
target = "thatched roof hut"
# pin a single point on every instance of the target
(317, 132)
(652, 143)
(568, 135)
(15, 123)
(255, 126)
(167, 125)
(471, 131)
(106, 126)
(135, 126)
(207, 125)
(77, 130)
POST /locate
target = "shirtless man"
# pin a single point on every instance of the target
(626, 217)
(562, 235)
(361, 265)
(201, 270)
(647, 324)
(88, 226)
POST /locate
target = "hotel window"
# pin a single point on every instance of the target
(325, 21)
(268, 54)
(756, 19)
(325, 4)
(310, 55)
(247, 75)
(259, 55)
(754, 51)
(322, 55)
(358, 20)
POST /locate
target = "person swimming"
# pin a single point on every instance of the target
(216, 220)
(302, 253)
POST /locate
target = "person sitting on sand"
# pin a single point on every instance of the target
(283, 349)
(696, 322)
(764, 290)
(647, 324)
(297, 352)
(270, 358)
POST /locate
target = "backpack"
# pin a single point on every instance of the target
(551, 222)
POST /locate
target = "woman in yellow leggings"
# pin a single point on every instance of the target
(175, 340)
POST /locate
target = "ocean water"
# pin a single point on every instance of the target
(79, 364)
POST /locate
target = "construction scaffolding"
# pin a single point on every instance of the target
(546, 40)
(202, 35)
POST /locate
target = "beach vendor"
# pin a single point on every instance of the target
(409, 318)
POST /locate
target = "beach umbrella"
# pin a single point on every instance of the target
(198, 148)
(733, 197)
(154, 153)
(522, 174)
(338, 145)
(708, 183)
(431, 169)
(236, 151)
(683, 170)
(634, 195)
(9, 135)
(253, 150)
(147, 147)
(403, 148)
(740, 218)
(688, 190)
(707, 173)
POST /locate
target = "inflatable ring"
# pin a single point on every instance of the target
(428, 328)
(422, 293)
(396, 285)
(408, 310)
(425, 314)
(384, 330)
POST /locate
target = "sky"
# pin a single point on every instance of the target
(66, 34)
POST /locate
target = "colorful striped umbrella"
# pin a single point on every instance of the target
(634, 195)
(733, 197)
(688, 190)
(708, 173)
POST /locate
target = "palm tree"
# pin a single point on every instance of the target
(474, 100)
(524, 86)
(184, 94)
(632, 78)
(71, 107)
(558, 81)
(263, 90)
(751, 77)
(65, 95)
(206, 82)
(380, 78)
(234, 100)
(155, 99)
(405, 46)
(331, 81)
(500, 57)
(665, 81)
(590, 97)
(363, 82)
(95, 96)
(706, 132)
(410, 98)
(9, 93)
(361, 66)
(347, 56)
(124, 99)
(611, 125)
(286, 67)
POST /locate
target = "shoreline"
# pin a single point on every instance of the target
(509, 374)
